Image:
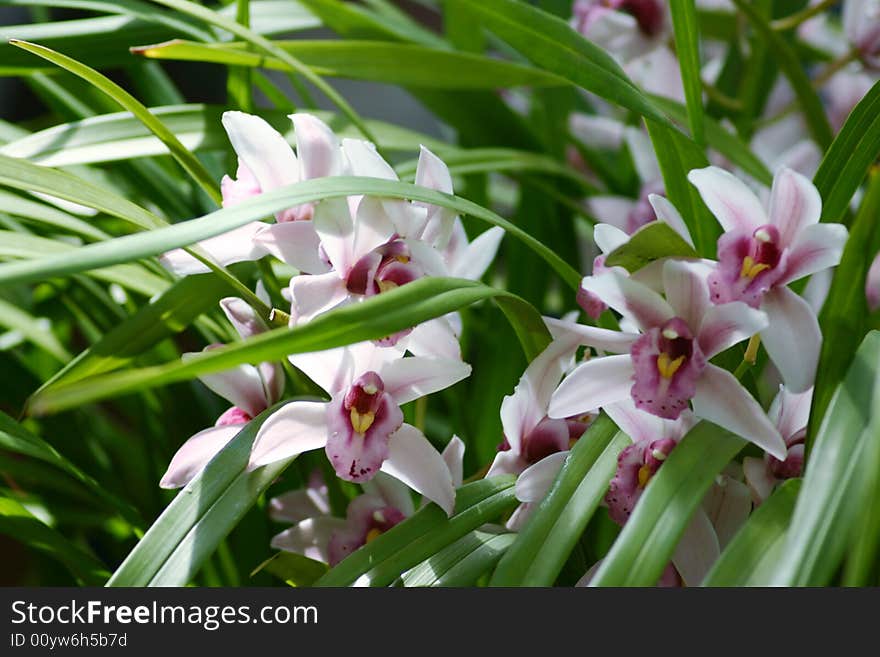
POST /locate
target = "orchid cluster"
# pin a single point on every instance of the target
(559, 294)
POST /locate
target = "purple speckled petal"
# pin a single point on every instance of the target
(727, 282)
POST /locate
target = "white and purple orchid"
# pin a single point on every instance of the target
(250, 389)
(861, 24)
(760, 253)
(361, 428)
(666, 365)
(625, 28)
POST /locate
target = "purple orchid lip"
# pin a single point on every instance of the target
(749, 265)
(636, 466)
(648, 14)
(360, 424)
(667, 361)
(367, 518)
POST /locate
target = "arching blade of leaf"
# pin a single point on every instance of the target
(379, 316)
(550, 43)
(121, 136)
(16, 521)
(648, 539)
(849, 157)
(687, 47)
(651, 242)
(31, 328)
(20, 174)
(180, 540)
(462, 562)
(555, 526)
(379, 61)
(756, 550)
(405, 545)
(131, 247)
(826, 511)
(42, 213)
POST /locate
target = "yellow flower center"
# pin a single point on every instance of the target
(373, 534)
(668, 367)
(361, 422)
(644, 475)
(750, 268)
(384, 286)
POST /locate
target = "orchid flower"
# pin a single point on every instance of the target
(625, 28)
(760, 253)
(361, 428)
(790, 413)
(861, 24)
(251, 390)
(266, 162)
(318, 535)
(667, 364)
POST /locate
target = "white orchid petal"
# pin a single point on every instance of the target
(611, 210)
(721, 399)
(728, 324)
(478, 255)
(759, 478)
(242, 386)
(638, 425)
(790, 411)
(335, 227)
(317, 148)
(195, 454)
(262, 149)
(435, 338)
(697, 549)
(536, 480)
(295, 243)
(603, 339)
(309, 537)
(728, 505)
(608, 237)
(686, 290)
(236, 245)
(453, 454)
(669, 214)
(407, 379)
(728, 198)
(365, 160)
(414, 461)
(794, 204)
(312, 295)
(630, 298)
(594, 384)
(296, 505)
(792, 338)
(815, 249)
(372, 227)
(297, 427)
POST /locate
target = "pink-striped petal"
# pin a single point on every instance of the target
(686, 290)
(237, 245)
(721, 399)
(453, 455)
(594, 384)
(792, 338)
(729, 324)
(242, 386)
(317, 148)
(759, 478)
(335, 228)
(640, 426)
(244, 318)
(536, 480)
(794, 204)
(616, 342)
(697, 549)
(312, 295)
(630, 298)
(728, 198)
(262, 149)
(816, 248)
(407, 379)
(310, 537)
(295, 243)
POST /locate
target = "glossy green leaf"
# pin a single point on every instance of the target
(186, 159)
(555, 526)
(687, 47)
(462, 562)
(45, 214)
(16, 521)
(174, 548)
(377, 317)
(120, 136)
(754, 553)
(849, 158)
(391, 63)
(409, 543)
(649, 537)
(826, 511)
(358, 22)
(550, 43)
(651, 242)
(294, 569)
(130, 247)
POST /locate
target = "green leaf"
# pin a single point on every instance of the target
(424, 534)
(374, 318)
(726, 143)
(550, 43)
(850, 157)
(186, 159)
(16, 521)
(15, 319)
(293, 569)
(462, 563)
(16, 439)
(48, 216)
(555, 526)
(756, 550)
(379, 61)
(676, 156)
(649, 537)
(357, 22)
(120, 136)
(169, 313)
(131, 247)
(20, 174)
(190, 528)
(687, 47)
(844, 316)
(826, 511)
(790, 63)
(132, 277)
(651, 242)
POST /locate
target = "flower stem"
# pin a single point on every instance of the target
(792, 21)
